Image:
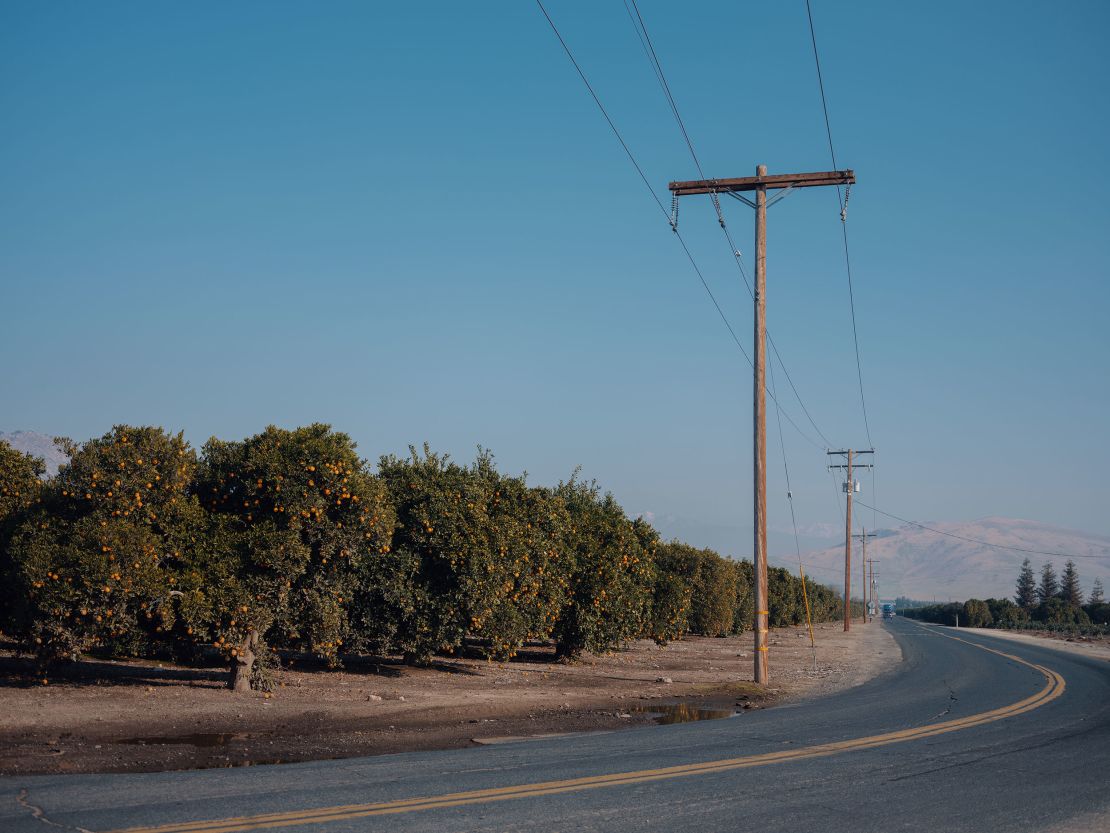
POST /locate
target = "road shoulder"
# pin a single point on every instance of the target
(1094, 650)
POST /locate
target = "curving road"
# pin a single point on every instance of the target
(969, 733)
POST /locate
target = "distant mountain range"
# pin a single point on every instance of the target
(37, 445)
(921, 564)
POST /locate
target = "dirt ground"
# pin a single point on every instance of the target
(101, 716)
(1091, 646)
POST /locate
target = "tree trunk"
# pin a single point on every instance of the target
(243, 663)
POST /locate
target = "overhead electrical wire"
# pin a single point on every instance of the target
(658, 202)
(644, 37)
(786, 470)
(842, 200)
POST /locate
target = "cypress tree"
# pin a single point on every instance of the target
(1050, 586)
(1026, 595)
(1070, 591)
(1097, 597)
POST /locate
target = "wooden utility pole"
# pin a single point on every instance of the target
(759, 424)
(761, 183)
(849, 489)
(871, 564)
(848, 550)
(863, 569)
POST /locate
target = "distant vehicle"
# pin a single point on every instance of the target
(888, 610)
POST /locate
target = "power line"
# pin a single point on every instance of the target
(658, 202)
(980, 541)
(640, 26)
(654, 59)
(842, 200)
(821, 86)
(604, 112)
(786, 467)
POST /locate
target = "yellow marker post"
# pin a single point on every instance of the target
(809, 621)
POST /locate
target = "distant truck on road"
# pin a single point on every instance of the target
(888, 610)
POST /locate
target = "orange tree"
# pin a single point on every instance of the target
(20, 490)
(704, 584)
(784, 598)
(676, 565)
(296, 527)
(611, 573)
(744, 610)
(714, 599)
(527, 534)
(97, 564)
(476, 554)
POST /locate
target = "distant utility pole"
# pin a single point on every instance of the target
(863, 568)
(850, 487)
(871, 563)
(761, 183)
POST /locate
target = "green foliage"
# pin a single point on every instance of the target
(1006, 614)
(611, 574)
(96, 565)
(1056, 611)
(1026, 596)
(296, 528)
(1050, 585)
(476, 553)
(20, 490)
(714, 601)
(286, 540)
(744, 610)
(1070, 590)
(20, 482)
(699, 592)
(696, 591)
(976, 614)
(1098, 613)
(1097, 593)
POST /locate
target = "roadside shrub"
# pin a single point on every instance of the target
(1099, 613)
(1007, 614)
(976, 614)
(1056, 611)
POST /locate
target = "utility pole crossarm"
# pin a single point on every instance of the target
(766, 182)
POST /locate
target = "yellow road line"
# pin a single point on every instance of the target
(1053, 688)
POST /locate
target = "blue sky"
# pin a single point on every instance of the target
(410, 221)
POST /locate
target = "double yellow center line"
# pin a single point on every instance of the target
(1054, 687)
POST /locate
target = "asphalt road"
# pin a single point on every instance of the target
(956, 738)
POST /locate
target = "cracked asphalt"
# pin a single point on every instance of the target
(1045, 769)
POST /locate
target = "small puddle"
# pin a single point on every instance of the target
(199, 740)
(682, 713)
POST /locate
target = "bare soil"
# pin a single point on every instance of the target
(1091, 646)
(118, 716)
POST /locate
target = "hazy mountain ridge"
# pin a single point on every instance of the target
(37, 445)
(921, 564)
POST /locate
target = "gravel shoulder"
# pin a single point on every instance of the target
(113, 716)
